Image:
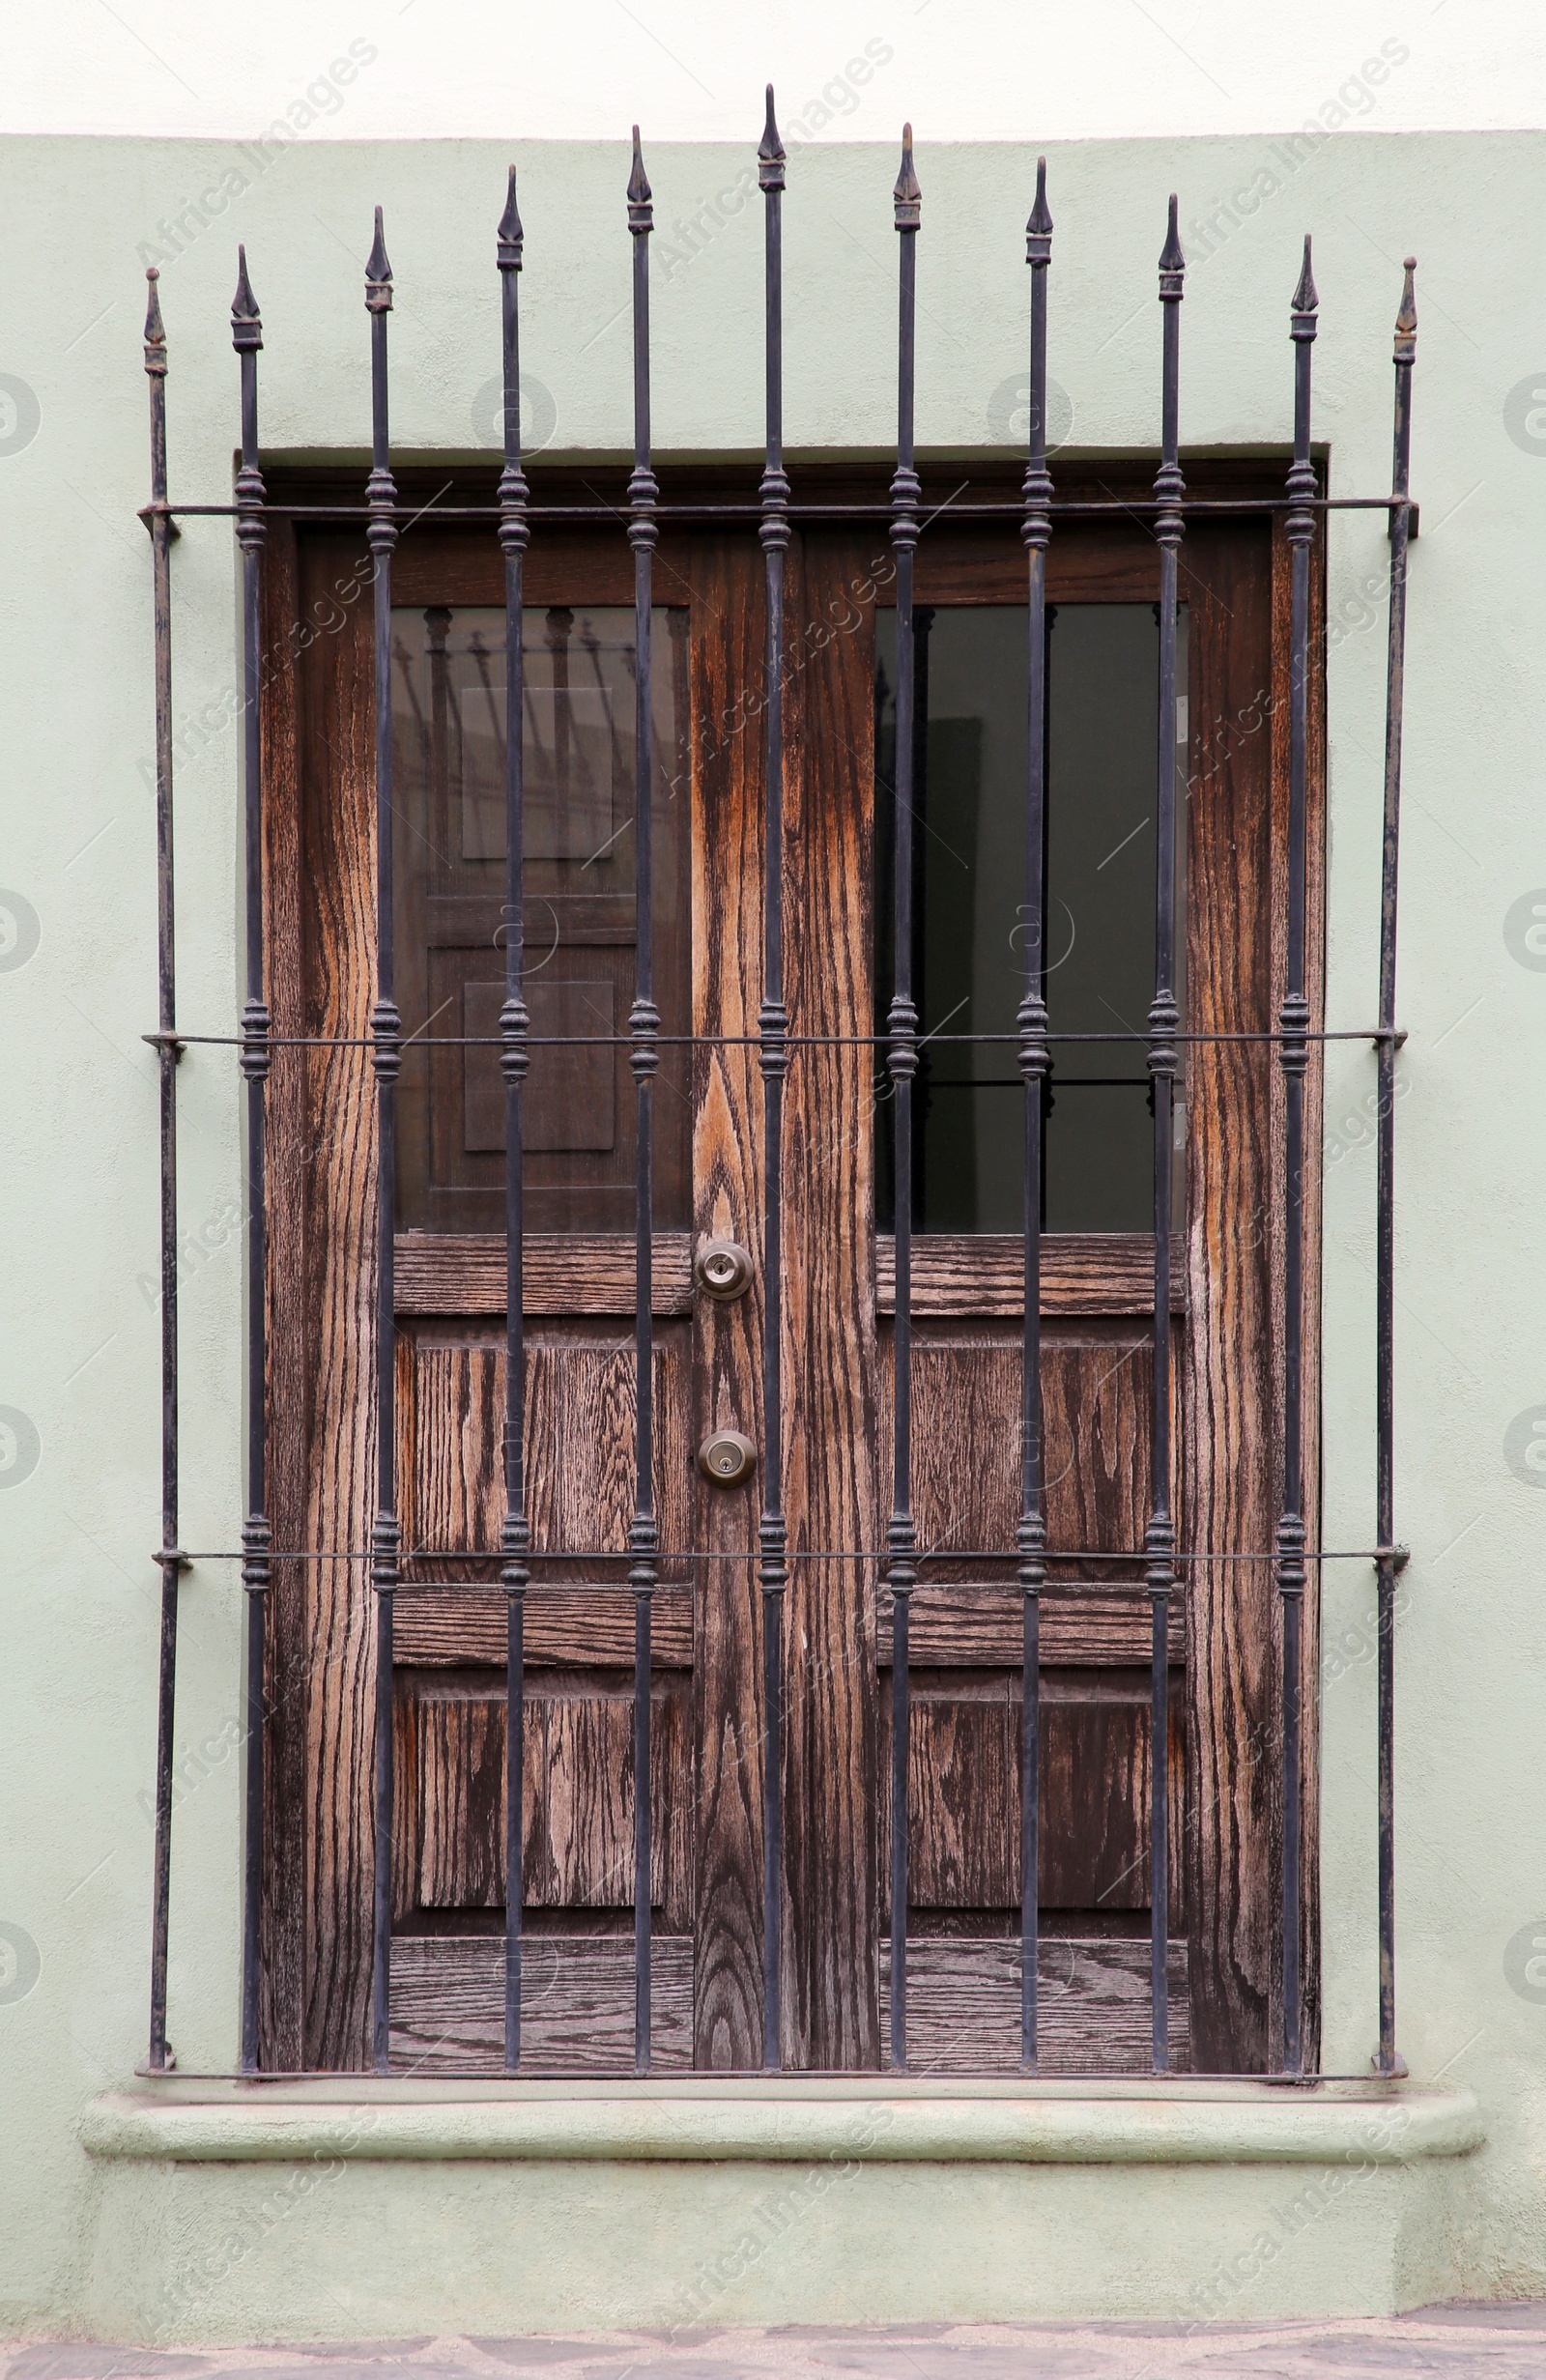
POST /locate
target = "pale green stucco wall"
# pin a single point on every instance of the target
(80, 1352)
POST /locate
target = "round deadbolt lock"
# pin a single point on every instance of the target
(727, 1458)
(722, 1269)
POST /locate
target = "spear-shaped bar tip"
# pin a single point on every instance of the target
(1406, 322)
(378, 273)
(246, 324)
(640, 213)
(907, 195)
(510, 235)
(1306, 300)
(770, 153)
(1039, 229)
(1172, 263)
(155, 327)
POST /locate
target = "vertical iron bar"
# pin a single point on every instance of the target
(902, 1028)
(773, 1024)
(257, 1537)
(1405, 353)
(515, 1536)
(1034, 1061)
(644, 1057)
(1160, 1540)
(1294, 1017)
(386, 1027)
(170, 1560)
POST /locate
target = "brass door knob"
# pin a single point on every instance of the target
(727, 1458)
(721, 1268)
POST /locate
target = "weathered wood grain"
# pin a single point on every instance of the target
(982, 1626)
(1310, 1414)
(1083, 1273)
(831, 2005)
(577, 2004)
(578, 1449)
(1228, 1480)
(1093, 2011)
(576, 1799)
(964, 1815)
(336, 1305)
(573, 1627)
(963, 1839)
(565, 1272)
(966, 1441)
(283, 1924)
(451, 1295)
(729, 824)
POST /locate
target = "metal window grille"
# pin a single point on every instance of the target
(512, 518)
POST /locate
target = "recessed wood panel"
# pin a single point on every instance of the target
(966, 1441)
(577, 1800)
(1093, 2008)
(577, 2004)
(579, 1446)
(963, 1785)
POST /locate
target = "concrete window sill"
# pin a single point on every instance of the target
(712, 2119)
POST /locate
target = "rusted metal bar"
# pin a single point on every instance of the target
(1160, 1537)
(903, 1060)
(1405, 356)
(170, 1559)
(1035, 1063)
(257, 1536)
(386, 1039)
(773, 1026)
(515, 1536)
(643, 1023)
(1293, 1019)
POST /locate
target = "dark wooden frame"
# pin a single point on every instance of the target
(315, 2000)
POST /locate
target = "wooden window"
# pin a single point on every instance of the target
(706, 1784)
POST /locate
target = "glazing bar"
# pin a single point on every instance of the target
(1160, 1537)
(515, 1536)
(773, 1024)
(1293, 1019)
(903, 1059)
(171, 1559)
(257, 1537)
(644, 1536)
(387, 1033)
(1405, 352)
(1035, 1059)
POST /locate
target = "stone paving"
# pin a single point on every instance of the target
(1453, 2342)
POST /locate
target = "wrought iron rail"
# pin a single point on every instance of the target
(902, 1058)
(645, 1059)
(387, 1060)
(1036, 1067)
(515, 1536)
(772, 1043)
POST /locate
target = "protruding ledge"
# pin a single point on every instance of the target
(712, 2119)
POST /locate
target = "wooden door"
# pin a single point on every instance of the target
(708, 796)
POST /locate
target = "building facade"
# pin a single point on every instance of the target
(882, 1003)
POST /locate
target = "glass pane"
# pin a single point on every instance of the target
(970, 948)
(450, 855)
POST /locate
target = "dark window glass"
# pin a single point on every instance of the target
(449, 858)
(970, 933)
